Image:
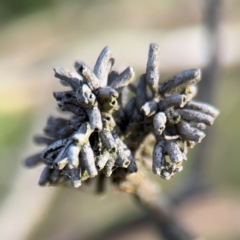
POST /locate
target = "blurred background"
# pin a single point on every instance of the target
(36, 36)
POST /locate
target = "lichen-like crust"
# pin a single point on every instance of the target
(104, 133)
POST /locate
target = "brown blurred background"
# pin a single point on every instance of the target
(36, 36)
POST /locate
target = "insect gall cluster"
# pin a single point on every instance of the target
(101, 138)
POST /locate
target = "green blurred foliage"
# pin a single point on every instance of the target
(14, 128)
(13, 8)
(225, 150)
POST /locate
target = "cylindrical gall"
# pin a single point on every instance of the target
(55, 176)
(88, 160)
(178, 100)
(44, 178)
(122, 160)
(152, 73)
(95, 119)
(68, 107)
(88, 76)
(180, 82)
(174, 152)
(123, 79)
(159, 122)
(203, 107)
(101, 68)
(33, 160)
(70, 78)
(75, 177)
(107, 98)
(82, 135)
(158, 157)
(149, 108)
(195, 116)
(109, 167)
(102, 159)
(141, 91)
(61, 160)
(73, 156)
(108, 141)
(54, 147)
(190, 133)
(85, 97)
(65, 97)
